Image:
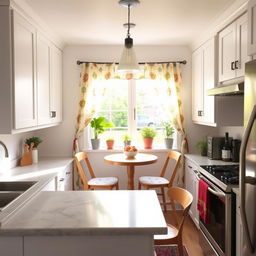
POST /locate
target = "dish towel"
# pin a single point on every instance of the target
(203, 201)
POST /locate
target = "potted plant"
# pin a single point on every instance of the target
(168, 133)
(99, 125)
(110, 142)
(36, 141)
(148, 134)
(127, 140)
(202, 147)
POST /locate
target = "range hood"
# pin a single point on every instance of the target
(227, 90)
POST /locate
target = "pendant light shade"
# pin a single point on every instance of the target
(128, 61)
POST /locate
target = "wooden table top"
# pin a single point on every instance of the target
(139, 159)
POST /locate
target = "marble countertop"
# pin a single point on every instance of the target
(204, 160)
(88, 213)
(42, 173)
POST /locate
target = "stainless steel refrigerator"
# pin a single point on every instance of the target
(247, 183)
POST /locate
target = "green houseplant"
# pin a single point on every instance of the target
(99, 125)
(168, 134)
(36, 141)
(127, 140)
(148, 134)
(202, 147)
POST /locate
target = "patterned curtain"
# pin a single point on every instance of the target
(89, 75)
(170, 72)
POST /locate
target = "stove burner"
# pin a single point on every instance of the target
(228, 174)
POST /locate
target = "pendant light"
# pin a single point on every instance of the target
(128, 61)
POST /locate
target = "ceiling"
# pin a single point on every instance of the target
(161, 22)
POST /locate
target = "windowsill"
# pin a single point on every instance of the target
(153, 150)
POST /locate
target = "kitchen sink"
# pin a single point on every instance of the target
(16, 185)
(10, 190)
(8, 197)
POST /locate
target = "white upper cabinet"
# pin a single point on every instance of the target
(24, 36)
(203, 79)
(43, 80)
(56, 85)
(197, 85)
(233, 50)
(251, 45)
(31, 75)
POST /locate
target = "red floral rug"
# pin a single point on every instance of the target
(171, 250)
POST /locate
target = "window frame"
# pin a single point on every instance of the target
(132, 122)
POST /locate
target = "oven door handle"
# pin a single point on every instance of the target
(212, 189)
(218, 194)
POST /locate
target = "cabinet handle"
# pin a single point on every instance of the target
(200, 113)
(189, 166)
(53, 114)
(62, 179)
(68, 173)
(232, 65)
(236, 65)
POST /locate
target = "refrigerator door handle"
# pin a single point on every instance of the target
(243, 180)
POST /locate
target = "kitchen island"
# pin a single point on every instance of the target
(94, 223)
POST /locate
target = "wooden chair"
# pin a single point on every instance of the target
(174, 236)
(93, 183)
(149, 182)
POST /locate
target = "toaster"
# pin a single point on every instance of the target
(214, 147)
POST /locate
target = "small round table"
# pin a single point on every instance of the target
(121, 159)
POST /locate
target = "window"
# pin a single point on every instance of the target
(131, 105)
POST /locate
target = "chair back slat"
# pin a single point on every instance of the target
(184, 198)
(79, 157)
(176, 156)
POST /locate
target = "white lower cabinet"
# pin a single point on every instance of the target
(191, 184)
(65, 179)
(239, 230)
(91, 245)
(11, 246)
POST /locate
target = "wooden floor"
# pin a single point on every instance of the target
(192, 238)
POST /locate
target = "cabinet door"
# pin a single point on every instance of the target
(197, 85)
(43, 80)
(241, 51)
(239, 236)
(251, 44)
(209, 82)
(195, 198)
(11, 246)
(227, 52)
(24, 73)
(56, 85)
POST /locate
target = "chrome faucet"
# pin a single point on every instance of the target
(5, 149)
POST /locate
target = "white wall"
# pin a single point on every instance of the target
(58, 140)
(14, 145)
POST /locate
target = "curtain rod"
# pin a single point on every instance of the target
(162, 62)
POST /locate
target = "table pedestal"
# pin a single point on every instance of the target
(130, 174)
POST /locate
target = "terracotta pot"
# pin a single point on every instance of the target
(110, 144)
(148, 143)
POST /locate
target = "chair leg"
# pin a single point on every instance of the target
(180, 247)
(139, 187)
(164, 202)
(117, 187)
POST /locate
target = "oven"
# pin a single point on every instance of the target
(220, 229)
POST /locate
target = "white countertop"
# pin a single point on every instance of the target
(204, 160)
(42, 173)
(88, 213)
